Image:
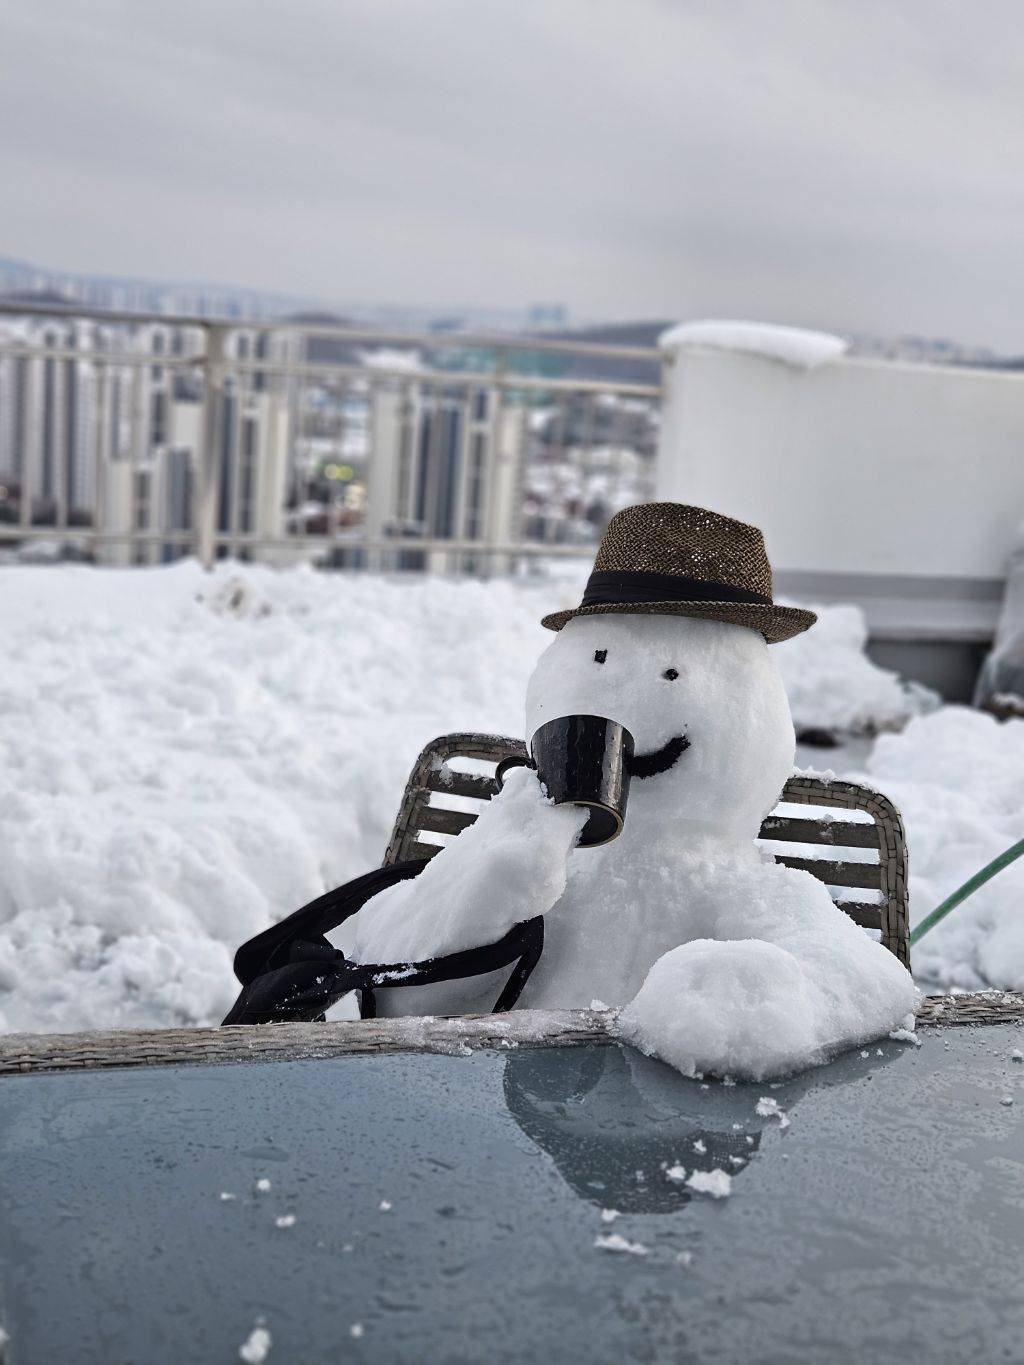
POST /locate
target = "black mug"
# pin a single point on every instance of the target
(583, 761)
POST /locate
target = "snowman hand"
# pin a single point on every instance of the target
(741, 1008)
(507, 867)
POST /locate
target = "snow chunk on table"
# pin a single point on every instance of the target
(614, 1241)
(767, 1107)
(717, 1183)
(795, 346)
(256, 1347)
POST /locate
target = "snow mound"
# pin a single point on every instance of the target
(185, 758)
(832, 684)
(957, 776)
(795, 346)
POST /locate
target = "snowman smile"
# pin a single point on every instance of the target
(658, 760)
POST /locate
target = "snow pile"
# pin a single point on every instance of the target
(958, 778)
(795, 346)
(184, 759)
(832, 684)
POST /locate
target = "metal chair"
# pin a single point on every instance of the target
(423, 812)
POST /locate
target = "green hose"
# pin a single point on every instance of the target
(968, 889)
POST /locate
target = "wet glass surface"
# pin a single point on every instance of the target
(449, 1207)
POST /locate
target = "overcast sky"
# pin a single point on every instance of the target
(853, 164)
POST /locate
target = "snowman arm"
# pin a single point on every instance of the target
(510, 865)
(791, 982)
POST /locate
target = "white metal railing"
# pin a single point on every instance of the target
(135, 438)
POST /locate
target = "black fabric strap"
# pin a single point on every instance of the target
(613, 586)
(292, 973)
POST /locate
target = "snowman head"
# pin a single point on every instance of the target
(702, 699)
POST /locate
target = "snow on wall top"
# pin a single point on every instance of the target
(795, 346)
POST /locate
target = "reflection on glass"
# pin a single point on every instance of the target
(614, 1121)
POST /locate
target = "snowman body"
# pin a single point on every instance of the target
(721, 959)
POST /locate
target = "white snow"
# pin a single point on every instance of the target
(263, 1185)
(905, 1035)
(958, 778)
(356, 1330)
(716, 1183)
(767, 1107)
(395, 359)
(256, 1347)
(676, 1173)
(609, 1215)
(833, 685)
(1006, 1100)
(385, 1206)
(614, 1241)
(285, 1220)
(175, 773)
(795, 346)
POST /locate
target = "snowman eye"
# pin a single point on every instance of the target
(670, 674)
(600, 655)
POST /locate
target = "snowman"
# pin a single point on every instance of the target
(720, 960)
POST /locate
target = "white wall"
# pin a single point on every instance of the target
(899, 486)
(858, 466)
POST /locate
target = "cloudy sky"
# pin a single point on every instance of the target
(853, 164)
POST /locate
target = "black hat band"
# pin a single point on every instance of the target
(612, 587)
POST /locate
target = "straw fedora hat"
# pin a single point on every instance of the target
(665, 558)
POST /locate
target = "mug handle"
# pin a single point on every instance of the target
(513, 761)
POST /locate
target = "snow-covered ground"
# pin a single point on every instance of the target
(185, 758)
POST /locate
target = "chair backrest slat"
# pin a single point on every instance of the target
(433, 778)
(462, 784)
(418, 850)
(838, 833)
(868, 914)
(834, 873)
(438, 820)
